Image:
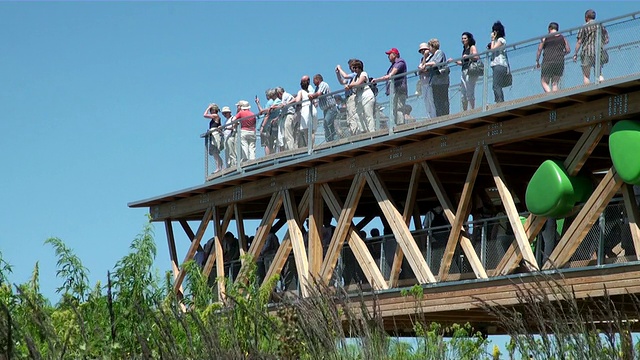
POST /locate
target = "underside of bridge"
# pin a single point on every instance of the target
(489, 155)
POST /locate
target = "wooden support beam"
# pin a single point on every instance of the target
(297, 242)
(400, 230)
(358, 247)
(461, 214)
(263, 230)
(285, 247)
(173, 254)
(631, 208)
(406, 216)
(449, 212)
(510, 208)
(219, 231)
(195, 243)
(242, 238)
(573, 164)
(316, 212)
(585, 219)
(217, 243)
(188, 231)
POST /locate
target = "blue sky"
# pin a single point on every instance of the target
(102, 102)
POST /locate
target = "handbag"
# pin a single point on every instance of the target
(476, 68)
(508, 80)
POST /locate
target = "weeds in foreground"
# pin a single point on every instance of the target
(137, 316)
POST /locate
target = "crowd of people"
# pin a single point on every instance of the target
(287, 117)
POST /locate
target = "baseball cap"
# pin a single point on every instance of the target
(393, 50)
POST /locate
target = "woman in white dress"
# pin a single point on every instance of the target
(365, 99)
(307, 111)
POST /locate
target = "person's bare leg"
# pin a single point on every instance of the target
(555, 80)
(545, 84)
(586, 70)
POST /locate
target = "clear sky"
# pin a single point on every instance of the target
(102, 102)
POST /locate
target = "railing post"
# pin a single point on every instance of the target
(485, 83)
(598, 47)
(429, 238)
(483, 244)
(392, 97)
(603, 227)
(311, 128)
(206, 157)
(238, 137)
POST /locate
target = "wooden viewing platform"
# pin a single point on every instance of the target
(397, 177)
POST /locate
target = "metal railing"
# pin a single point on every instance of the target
(617, 61)
(608, 241)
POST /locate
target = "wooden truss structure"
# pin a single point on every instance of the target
(397, 178)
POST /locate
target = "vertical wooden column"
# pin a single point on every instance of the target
(631, 208)
(173, 254)
(400, 230)
(195, 243)
(297, 242)
(406, 216)
(461, 214)
(316, 211)
(449, 213)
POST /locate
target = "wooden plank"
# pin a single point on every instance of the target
(316, 212)
(285, 247)
(449, 212)
(406, 215)
(173, 254)
(400, 230)
(217, 243)
(344, 221)
(510, 208)
(631, 208)
(585, 219)
(573, 164)
(219, 231)
(297, 242)
(511, 258)
(358, 247)
(192, 249)
(535, 125)
(188, 231)
(263, 230)
(242, 234)
(461, 214)
(584, 147)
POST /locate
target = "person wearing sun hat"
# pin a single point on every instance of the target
(247, 130)
(229, 137)
(398, 66)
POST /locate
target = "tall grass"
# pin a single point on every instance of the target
(136, 315)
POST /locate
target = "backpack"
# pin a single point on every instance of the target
(373, 86)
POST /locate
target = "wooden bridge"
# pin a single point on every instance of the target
(395, 177)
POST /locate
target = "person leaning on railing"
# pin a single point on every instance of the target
(398, 66)
(468, 78)
(307, 112)
(269, 126)
(214, 134)
(247, 130)
(286, 126)
(365, 99)
(328, 105)
(350, 96)
(231, 154)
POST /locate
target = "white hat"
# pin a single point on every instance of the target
(226, 109)
(244, 105)
(423, 46)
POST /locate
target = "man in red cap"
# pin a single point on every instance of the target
(398, 66)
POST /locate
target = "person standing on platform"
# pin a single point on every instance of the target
(555, 47)
(286, 128)
(586, 43)
(231, 155)
(269, 126)
(398, 66)
(214, 134)
(247, 131)
(353, 120)
(327, 104)
(499, 63)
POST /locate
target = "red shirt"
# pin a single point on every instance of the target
(249, 121)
